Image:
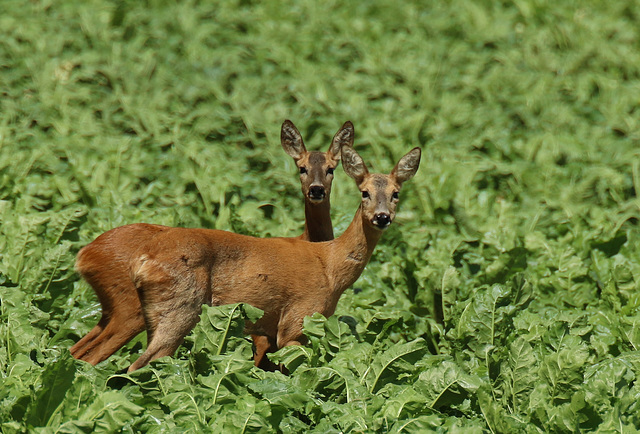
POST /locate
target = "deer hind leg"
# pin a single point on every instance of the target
(121, 316)
(102, 286)
(167, 336)
(80, 348)
(122, 327)
(171, 303)
(108, 274)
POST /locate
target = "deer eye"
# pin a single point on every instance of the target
(303, 170)
(330, 171)
(395, 195)
(365, 194)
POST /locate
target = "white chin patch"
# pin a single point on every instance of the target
(379, 226)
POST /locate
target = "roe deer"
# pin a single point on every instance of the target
(104, 263)
(316, 175)
(178, 270)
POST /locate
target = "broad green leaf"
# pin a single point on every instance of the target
(393, 364)
(221, 329)
(514, 256)
(497, 418)
(444, 383)
(280, 393)
(110, 411)
(481, 319)
(246, 415)
(518, 375)
(293, 356)
(417, 424)
(56, 380)
(16, 394)
(610, 386)
(404, 402)
(327, 337)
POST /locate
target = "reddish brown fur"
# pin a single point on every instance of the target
(104, 263)
(178, 270)
(316, 170)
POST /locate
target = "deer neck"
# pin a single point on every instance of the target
(351, 251)
(317, 222)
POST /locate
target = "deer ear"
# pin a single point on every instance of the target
(407, 166)
(344, 137)
(292, 140)
(353, 164)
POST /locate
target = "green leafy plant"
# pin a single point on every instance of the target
(505, 296)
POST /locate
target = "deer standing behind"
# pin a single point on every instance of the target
(178, 270)
(105, 262)
(316, 176)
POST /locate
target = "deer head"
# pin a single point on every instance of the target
(316, 167)
(380, 193)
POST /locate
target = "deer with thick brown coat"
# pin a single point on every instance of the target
(104, 263)
(178, 270)
(316, 175)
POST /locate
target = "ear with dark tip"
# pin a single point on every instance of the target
(353, 164)
(407, 166)
(344, 137)
(292, 140)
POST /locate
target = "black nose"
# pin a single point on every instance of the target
(316, 192)
(382, 220)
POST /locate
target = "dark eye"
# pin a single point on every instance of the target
(395, 195)
(303, 170)
(365, 194)
(329, 171)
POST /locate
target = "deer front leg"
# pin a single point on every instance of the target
(290, 330)
(264, 345)
(290, 334)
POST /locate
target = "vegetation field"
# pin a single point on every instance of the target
(505, 297)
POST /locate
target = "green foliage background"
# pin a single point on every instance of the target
(504, 299)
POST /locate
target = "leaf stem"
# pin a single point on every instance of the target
(226, 331)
